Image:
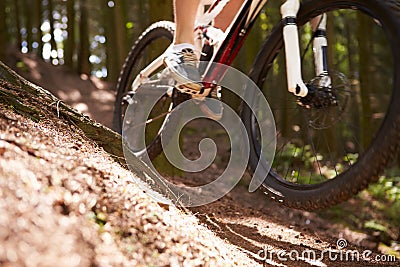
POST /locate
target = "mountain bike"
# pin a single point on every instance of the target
(337, 112)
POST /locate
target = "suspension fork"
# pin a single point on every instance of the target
(292, 49)
(320, 44)
(320, 49)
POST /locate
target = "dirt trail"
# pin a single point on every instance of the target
(247, 229)
(65, 202)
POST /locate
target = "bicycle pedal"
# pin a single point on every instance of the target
(186, 89)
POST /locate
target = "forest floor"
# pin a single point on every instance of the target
(65, 202)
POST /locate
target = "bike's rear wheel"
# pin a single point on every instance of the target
(150, 45)
(325, 155)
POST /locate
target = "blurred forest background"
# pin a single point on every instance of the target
(93, 37)
(88, 36)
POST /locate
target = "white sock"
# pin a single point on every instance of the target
(180, 47)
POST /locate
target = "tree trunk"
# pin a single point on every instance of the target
(120, 31)
(160, 10)
(84, 66)
(17, 23)
(28, 24)
(70, 42)
(366, 79)
(51, 21)
(4, 32)
(113, 64)
(37, 24)
(142, 20)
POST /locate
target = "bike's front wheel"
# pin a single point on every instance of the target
(136, 99)
(327, 151)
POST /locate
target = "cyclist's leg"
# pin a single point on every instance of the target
(185, 14)
(180, 57)
(224, 19)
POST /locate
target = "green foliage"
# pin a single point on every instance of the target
(22, 66)
(373, 225)
(387, 188)
(99, 218)
(308, 165)
(386, 200)
(375, 212)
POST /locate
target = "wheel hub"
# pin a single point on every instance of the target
(320, 94)
(327, 99)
